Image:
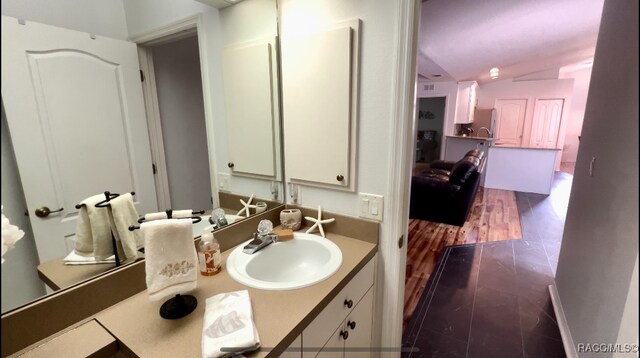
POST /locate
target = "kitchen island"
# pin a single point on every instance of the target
(524, 169)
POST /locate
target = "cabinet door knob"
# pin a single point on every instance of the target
(339, 177)
(344, 335)
(351, 324)
(348, 303)
(44, 211)
(230, 164)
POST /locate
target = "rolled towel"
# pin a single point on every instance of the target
(93, 233)
(163, 215)
(75, 259)
(171, 260)
(228, 325)
(123, 213)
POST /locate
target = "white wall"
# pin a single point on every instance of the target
(248, 21)
(179, 88)
(20, 282)
(581, 78)
(375, 119)
(233, 22)
(104, 18)
(599, 250)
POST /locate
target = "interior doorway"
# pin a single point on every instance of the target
(177, 123)
(430, 124)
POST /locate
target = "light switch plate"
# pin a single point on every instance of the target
(370, 206)
(224, 182)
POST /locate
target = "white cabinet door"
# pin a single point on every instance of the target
(466, 102)
(294, 350)
(248, 81)
(359, 326)
(510, 121)
(319, 85)
(75, 110)
(335, 346)
(546, 123)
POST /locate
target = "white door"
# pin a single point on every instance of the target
(546, 123)
(75, 111)
(510, 121)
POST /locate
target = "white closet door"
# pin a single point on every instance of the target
(76, 115)
(510, 121)
(546, 123)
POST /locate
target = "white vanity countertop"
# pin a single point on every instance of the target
(280, 316)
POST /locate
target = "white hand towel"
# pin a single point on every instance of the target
(123, 214)
(93, 233)
(171, 260)
(177, 214)
(228, 325)
(75, 259)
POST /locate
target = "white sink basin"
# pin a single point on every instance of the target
(198, 228)
(303, 261)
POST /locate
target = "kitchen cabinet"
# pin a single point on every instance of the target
(466, 103)
(346, 322)
(320, 95)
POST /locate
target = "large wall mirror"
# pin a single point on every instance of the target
(198, 128)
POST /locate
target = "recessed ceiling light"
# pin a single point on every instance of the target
(493, 73)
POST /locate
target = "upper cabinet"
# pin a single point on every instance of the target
(319, 86)
(249, 72)
(467, 101)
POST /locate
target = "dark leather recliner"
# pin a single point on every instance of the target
(445, 192)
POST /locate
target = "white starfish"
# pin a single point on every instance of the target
(247, 206)
(318, 222)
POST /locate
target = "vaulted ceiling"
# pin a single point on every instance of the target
(463, 39)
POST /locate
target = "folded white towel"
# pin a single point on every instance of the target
(93, 233)
(75, 259)
(228, 325)
(163, 215)
(171, 260)
(122, 214)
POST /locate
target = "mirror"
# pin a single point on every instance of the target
(208, 148)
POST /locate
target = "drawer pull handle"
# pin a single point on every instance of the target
(344, 335)
(348, 303)
(351, 324)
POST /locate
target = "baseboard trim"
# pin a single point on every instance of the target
(567, 340)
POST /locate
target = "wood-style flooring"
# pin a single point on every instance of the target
(494, 217)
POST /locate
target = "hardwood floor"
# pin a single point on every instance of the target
(494, 217)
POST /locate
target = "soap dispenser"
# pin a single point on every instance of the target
(209, 258)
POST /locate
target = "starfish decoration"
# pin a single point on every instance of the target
(247, 206)
(318, 222)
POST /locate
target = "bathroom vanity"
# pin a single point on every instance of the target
(333, 313)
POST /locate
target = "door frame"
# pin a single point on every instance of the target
(402, 132)
(171, 32)
(445, 122)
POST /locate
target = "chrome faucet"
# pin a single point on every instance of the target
(262, 238)
(488, 132)
(259, 242)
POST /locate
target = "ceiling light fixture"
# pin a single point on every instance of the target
(494, 73)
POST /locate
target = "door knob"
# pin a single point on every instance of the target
(339, 177)
(348, 303)
(351, 324)
(344, 335)
(230, 164)
(44, 211)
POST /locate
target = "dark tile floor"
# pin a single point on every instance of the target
(492, 299)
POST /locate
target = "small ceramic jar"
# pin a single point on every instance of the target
(291, 219)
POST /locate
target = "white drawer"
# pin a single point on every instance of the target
(322, 327)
